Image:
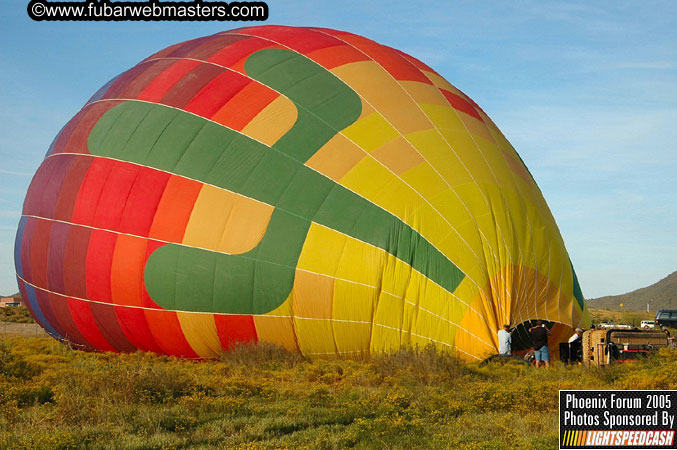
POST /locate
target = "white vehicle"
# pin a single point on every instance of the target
(647, 323)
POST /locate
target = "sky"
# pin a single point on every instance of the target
(585, 91)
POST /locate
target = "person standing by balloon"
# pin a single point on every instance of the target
(539, 336)
(505, 341)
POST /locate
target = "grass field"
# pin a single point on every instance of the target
(16, 314)
(53, 397)
(621, 317)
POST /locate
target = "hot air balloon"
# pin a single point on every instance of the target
(301, 186)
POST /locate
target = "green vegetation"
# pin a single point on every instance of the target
(16, 314)
(52, 397)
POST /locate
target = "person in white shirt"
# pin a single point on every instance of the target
(576, 336)
(504, 341)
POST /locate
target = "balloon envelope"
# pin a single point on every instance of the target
(301, 186)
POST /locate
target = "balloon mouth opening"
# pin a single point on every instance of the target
(521, 338)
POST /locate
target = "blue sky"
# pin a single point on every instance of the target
(585, 91)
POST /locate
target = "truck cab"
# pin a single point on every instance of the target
(666, 318)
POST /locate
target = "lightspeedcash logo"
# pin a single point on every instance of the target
(617, 419)
(150, 10)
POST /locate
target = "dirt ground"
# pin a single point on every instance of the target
(24, 329)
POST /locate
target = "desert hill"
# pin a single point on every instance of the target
(660, 295)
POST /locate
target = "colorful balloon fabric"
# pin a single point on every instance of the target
(300, 186)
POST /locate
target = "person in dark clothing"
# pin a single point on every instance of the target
(671, 339)
(539, 336)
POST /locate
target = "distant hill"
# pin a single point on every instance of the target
(662, 295)
(18, 294)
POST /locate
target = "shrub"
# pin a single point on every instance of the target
(16, 314)
(427, 365)
(12, 364)
(261, 355)
(160, 384)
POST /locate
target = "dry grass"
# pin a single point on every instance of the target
(633, 318)
(53, 397)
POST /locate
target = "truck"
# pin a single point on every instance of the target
(647, 324)
(666, 318)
